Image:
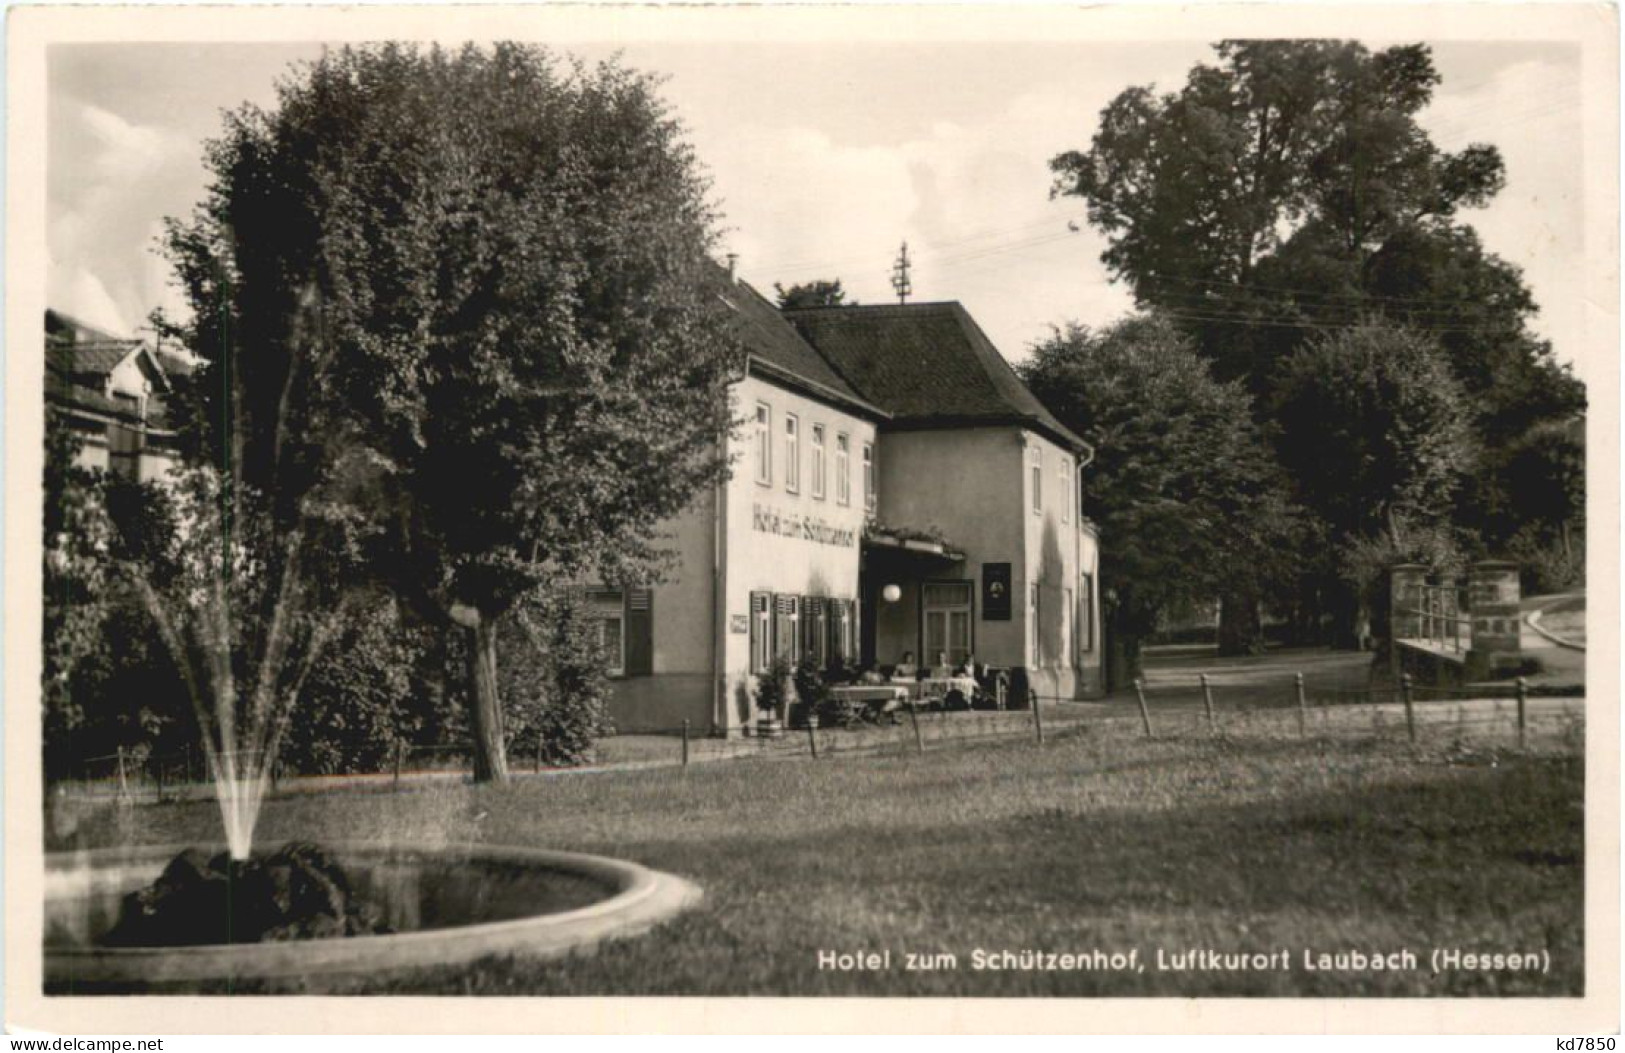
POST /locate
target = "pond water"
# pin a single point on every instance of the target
(412, 893)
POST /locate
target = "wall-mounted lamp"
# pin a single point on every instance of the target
(891, 593)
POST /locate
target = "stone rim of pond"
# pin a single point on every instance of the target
(637, 899)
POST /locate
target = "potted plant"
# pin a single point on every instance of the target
(812, 693)
(775, 691)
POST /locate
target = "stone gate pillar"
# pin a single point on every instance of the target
(1405, 581)
(1493, 597)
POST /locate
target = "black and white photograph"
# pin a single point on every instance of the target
(874, 507)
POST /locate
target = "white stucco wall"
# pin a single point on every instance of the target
(765, 547)
(768, 547)
(973, 484)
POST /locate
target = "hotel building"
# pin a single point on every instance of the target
(896, 488)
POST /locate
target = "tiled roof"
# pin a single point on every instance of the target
(928, 364)
(78, 360)
(779, 352)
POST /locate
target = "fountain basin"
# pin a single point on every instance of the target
(448, 905)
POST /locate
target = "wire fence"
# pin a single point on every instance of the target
(1293, 706)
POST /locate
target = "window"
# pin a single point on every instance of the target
(792, 453)
(815, 629)
(1032, 625)
(607, 608)
(761, 631)
(787, 628)
(818, 461)
(1067, 498)
(1036, 456)
(1086, 612)
(764, 444)
(842, 626)
(869, 477)
(1069, 646)
(843, 469)
(947, 607)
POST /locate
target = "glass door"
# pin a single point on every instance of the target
(947, 613)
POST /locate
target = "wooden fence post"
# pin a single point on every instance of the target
(123, 782)
(400, 751)
(685, 742)
(1523, 713)
(1207, 701)
(812, 733)
(1145, 714)
(914, 719)
(1038, 720)
(1410, 712)
(1303, 708)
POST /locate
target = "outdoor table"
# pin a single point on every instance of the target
(873, 697)
(939, 687)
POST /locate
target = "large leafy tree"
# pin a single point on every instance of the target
(1287, 191)
(1384, 425)
(1188, 497)
(484, 274)
(1382, 447)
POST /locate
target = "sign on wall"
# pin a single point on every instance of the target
(738, 623)
(793, 524)
(995, 592)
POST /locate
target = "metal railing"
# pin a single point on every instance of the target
(1440, 618)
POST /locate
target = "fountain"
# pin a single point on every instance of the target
(446, 906)
(424, 905)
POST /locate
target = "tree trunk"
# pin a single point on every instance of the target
(1123, 660)
(485, 709)
(1241, 631)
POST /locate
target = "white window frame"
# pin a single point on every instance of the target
(869, 477)
(792, 453)
(818, 463)
(1086, 613)
(764, 444)
(1035, 455)
(607, 611)
(761, 631)
(1066, 490)
(930, 608)
(843, 468)
(1033, 607)
(1068, 628)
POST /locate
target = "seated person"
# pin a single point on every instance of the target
(943, 669)
(967, 667)
(871, 676)
(906, 669)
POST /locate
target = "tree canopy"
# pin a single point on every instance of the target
(1188, 497)
(486, 274)
(820, 293)
(1383, 432)
(1287, 193)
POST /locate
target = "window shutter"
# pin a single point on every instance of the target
(640, 633)
(813, 632)
(760, 638)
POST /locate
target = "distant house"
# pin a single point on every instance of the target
(896, 488)
(113, 392)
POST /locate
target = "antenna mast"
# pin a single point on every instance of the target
(899, 275)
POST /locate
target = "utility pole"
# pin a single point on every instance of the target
(899, 275)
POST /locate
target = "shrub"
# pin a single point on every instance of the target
(556, 692)
(770, 690)
(357, 703)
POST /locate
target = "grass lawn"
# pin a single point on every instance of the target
(1258, 843)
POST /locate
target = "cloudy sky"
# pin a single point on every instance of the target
(824, 158)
